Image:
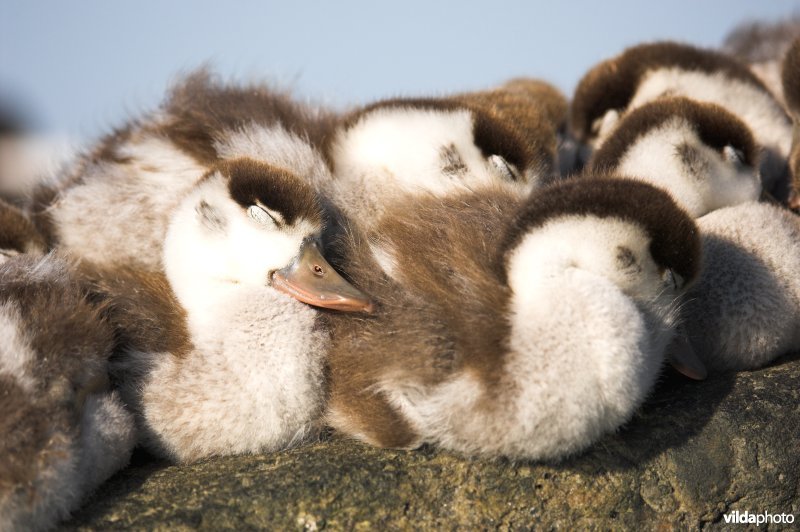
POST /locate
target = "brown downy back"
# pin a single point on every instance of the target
(443, 315)
(37, 435)
(141, 307)
(67, 331)
(367, 350)
(200, 108)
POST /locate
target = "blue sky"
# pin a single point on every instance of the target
(81, 67)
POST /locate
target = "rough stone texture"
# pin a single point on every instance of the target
(694, 452)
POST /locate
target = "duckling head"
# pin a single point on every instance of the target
(249, 224)
(614, 230)
(627, 231)
(431, 145)
(702, 155)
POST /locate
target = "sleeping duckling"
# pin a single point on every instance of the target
(519, 330)
(238, 366)
(702, 155)
(648, 72)
(113, 206)
(391, 149)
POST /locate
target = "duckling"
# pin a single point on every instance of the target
(473, 344)
(393, 148)
(113, 204)
(701, 154)
(63, 431)
(647, 72)
(744, 310)
(238, 366)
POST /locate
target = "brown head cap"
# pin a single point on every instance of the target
(252, 182)
(675, 241)
(716, 127)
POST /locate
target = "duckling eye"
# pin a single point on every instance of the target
(260, 215)
(733, 156)
(504, 168)
(676, 280)
(318, 270)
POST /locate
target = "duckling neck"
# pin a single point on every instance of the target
(221, 305)
(203, 301)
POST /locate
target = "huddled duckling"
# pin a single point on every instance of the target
(503, 327)
(648, 72)
(238, 366)
(701, 154)
(388, 150)
(113, 205)
(63, 430)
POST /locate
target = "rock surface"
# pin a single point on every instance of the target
(694, 452)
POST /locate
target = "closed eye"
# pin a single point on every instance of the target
(733, 156)
(504, 168)
(674, 279)
(264, 216)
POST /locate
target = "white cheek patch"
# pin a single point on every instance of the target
(609, 247)
(605, 125)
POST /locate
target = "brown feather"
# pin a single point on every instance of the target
(17, 232)
(446, 314)
(201, 108)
